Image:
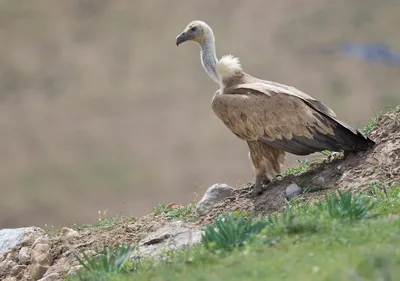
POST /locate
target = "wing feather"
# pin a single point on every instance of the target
(284, 118)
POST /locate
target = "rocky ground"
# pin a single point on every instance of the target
(34, 254)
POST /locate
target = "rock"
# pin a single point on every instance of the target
(27, 278)
(213, 195)
(292, 191)
(24, 255)
(41, 258)
(74, 270)
(172, 205)
(17, 269)
(10, 238)
(41, 254)
(11, 255)
(90, 253)
(51, 277)
(61, 268)
(40, 240)
(69, 234)
(6, 266)
(38, 270)
(173, 236)
(319, 180)
(11, 279)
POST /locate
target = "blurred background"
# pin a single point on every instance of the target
(99, 110)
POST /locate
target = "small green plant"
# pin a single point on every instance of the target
(373, 122)
(371, 125)
(346, 206)
(158, 209)
(179, 212)
(293, 221)
(231, 231)
(104, 222)
(175, 212)
(387, 196)
(303, 166)
(109, 260)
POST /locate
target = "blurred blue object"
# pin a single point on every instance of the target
(374, 52)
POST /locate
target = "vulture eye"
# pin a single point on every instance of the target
(194, 28)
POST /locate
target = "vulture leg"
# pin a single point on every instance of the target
(258, 186)
(267, 162)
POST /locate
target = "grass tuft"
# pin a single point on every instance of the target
(231, 231)
(373, 122)
(346, 206)
(107, 260)
(175, 212)
(292, 221)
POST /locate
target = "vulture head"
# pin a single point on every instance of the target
(197, 31)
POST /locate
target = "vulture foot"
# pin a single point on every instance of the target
(259, 185)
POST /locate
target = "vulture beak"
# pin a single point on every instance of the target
(181, 38)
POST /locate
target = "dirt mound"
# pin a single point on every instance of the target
(377, 167)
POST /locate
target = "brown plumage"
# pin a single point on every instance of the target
(272, 118)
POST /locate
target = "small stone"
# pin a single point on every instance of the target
(27, 277)
(11, 256)
(214, 194)
(6, 266)
(41, 254)
(319, 180)
(74, 270)
(17, 269)
(39, 270)
(11, 279)
(369, 171)
(292, 191)
(41, 240)
(62, 266)
(51, 277)
(69, 234)
(90, 253)
(343, 176)
(172, 205)
(24, 255)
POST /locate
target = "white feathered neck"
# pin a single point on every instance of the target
(218, 70)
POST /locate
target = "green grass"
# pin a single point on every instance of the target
(345, 237)
(104, 222)
(113, 260)
(231, 231)
(176, 212)
(373, 122)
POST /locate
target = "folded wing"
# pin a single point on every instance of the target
(285, 118)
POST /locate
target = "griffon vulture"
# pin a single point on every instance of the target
(272, 118)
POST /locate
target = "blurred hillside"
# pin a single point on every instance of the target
(100, 110)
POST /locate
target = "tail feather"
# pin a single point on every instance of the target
(343, 139)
